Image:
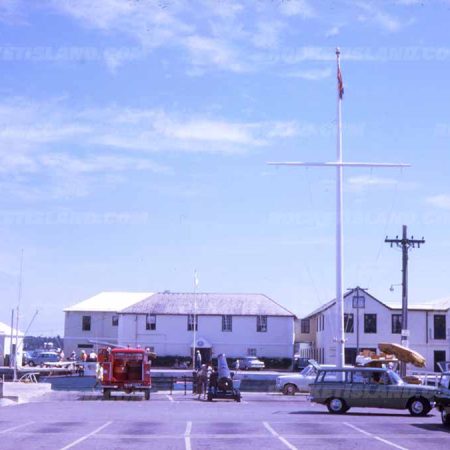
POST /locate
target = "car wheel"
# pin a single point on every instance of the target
(419, 407)
(289, 389)
(31, 363)
(445, 417)
(106, 394)
(337, 406)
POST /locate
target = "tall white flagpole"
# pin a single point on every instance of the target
(340, 339)
(339, 164)
(194, 343)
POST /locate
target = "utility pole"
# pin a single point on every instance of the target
(406, 244)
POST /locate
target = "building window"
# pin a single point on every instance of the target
(396, 323)
(348, 323)
(150, 322)
(190, 322)
(115, 321)
(251, 351)
(370, 323)
(261, 324)
(86, 323)
(305, 326)
(323, 323)
(440, 327)
(227, 323)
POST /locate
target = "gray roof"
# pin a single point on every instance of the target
(437, 305)
(209, 304)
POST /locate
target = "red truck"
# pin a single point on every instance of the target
(126, 370)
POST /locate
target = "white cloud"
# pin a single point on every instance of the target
(72, 148)
(207, 52)
(441, 201)
(333, 31)
(381, 18)
(267, 34)
(297, 8)
(311, 74)
(362, 182)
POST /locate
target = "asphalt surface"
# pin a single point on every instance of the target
(272, 421)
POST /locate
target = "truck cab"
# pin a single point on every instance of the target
(126, 370)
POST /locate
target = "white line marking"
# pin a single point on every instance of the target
(15, 428)
(374, 436)
(281, 438)
(170, 397)
(87, 436)
(187, 436)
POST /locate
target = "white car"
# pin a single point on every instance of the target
(249, 363)
(299, 382)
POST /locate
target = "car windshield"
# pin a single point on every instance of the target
(308, 370)
(395, 378)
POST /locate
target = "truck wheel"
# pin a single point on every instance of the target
(289, 389)
(445, 417)
(337, 406)
(419, 407)
(106, 394)
(147, 395)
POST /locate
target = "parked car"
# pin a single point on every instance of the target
(41, 358)
(443, 398)
(299, 382)
(341, 389)
(249, 363)
(300, 363)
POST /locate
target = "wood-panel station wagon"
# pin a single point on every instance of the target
(342, 389)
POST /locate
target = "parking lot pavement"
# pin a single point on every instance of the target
(84, 421)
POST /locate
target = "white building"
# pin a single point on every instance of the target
(234, 324)
(374, 322)
(95, 321)
(8, 343)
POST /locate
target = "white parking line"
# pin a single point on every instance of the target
(87, 436)
(187, 436)
(374, 436)
(15, 428)
(170, 398)
(281, 438)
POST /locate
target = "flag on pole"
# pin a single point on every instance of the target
(340, 82)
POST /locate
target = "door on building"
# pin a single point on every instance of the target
(350, 356)
(439, 357)
(206, 355)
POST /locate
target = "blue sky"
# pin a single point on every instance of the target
(134, 136)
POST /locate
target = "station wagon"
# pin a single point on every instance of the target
(342, 389)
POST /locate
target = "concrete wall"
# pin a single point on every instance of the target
(171, 336)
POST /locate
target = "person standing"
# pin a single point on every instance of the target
(198, 360)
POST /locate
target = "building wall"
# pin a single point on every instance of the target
(421, 326)
(5, 348)
(102, 330)
(171, 336)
